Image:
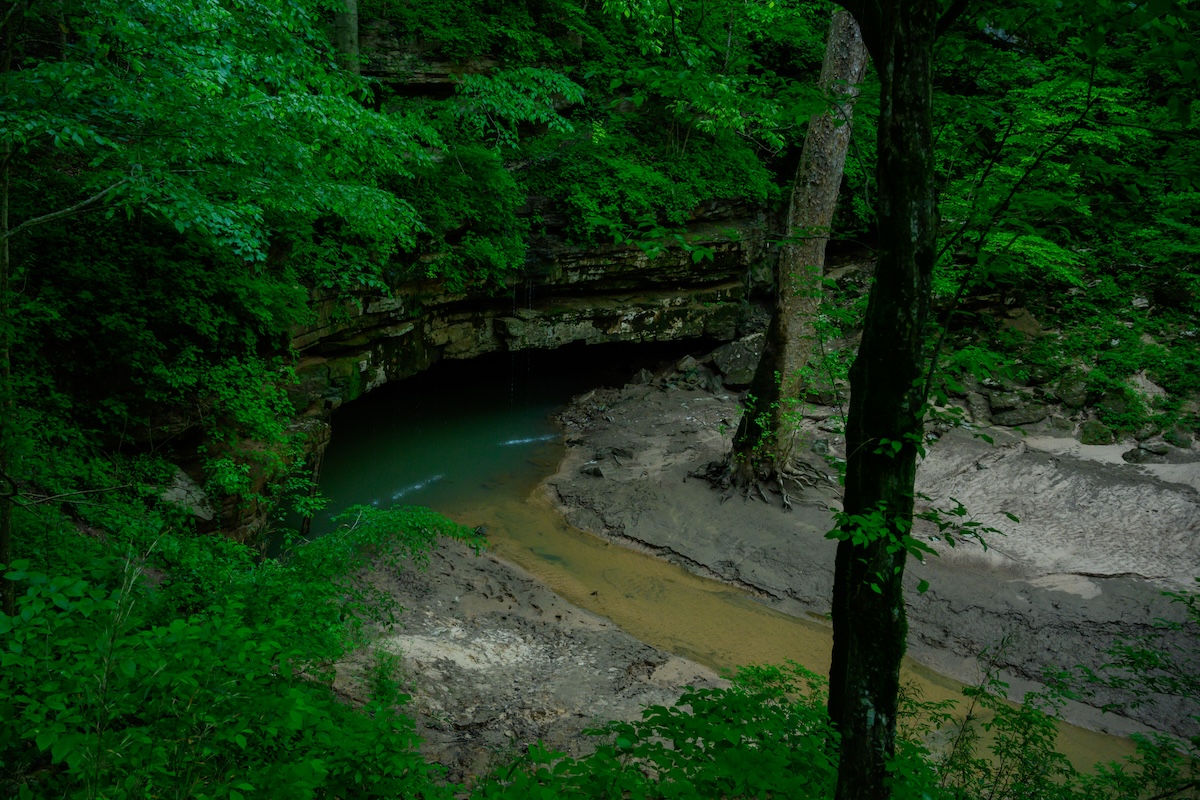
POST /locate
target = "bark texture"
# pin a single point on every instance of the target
(345, 35)
(8, 486)
(886, 402)
(765, 438)
(814, 200)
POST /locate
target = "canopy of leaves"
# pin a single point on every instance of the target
(182, 176)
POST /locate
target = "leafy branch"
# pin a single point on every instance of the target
(78, 208)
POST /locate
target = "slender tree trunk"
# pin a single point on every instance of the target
(766, 433)
(814, 200)
(886, 402)
(345, 35)
(8, 486)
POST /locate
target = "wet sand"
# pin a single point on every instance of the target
(1097, 545)
(557, 630)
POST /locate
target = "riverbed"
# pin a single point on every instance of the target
(487, 453)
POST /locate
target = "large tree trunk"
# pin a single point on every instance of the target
(345, 35)
(884, 428)
(765, 439)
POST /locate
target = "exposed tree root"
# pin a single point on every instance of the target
(764, 483)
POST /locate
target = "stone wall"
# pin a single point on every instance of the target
(565, 294)
(597, 296)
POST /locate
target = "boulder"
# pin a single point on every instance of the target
(1178, 437)
(1145, 432)
(188, 495)
(1158, 447)
(978, 406)
(1040, 374)
(1059, 424)
(644, 377)
(1139, 455)
(820, 393)
(1147, 389)
(1115, 403)
(738, 360)
(1004, 401)
(1094, 432)
(1020, 320)
(1023, 415)
(1072, 388)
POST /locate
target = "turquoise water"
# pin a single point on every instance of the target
(473, 440)
(465, 434)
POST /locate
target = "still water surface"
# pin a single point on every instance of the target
(473, 442)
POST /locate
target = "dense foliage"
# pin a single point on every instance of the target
(181, 177)
(768, 736)
(1068, 156)
(153, 663)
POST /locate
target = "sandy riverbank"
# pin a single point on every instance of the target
(496, 660)
(1098, 542)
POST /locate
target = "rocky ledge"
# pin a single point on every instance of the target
(495, 661)
(1099, 540)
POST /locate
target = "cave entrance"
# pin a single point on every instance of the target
(465, 434)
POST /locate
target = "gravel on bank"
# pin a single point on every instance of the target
(495, 661)
(1097, 545)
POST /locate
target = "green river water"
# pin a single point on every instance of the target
(473, 441)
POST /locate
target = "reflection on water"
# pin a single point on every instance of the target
(454, 436)
(475, 444)
(416, 487)
(546, 437)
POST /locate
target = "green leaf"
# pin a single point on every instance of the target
(60, 750)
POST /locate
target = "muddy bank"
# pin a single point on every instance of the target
(495, 661)
(1097, 544)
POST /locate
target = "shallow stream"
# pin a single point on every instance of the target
(473, 441)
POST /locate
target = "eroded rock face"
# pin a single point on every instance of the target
(598, 296)
(566, 294)
(605, 295)
(1097, 541)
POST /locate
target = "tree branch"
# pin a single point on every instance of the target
(1003, 205)
(1176, 791)
(37, 500)
(1000, 208)
(66, 212)
(12, 490)
(12, 10)
(950, 15)
(979, 184)
(674, 36)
